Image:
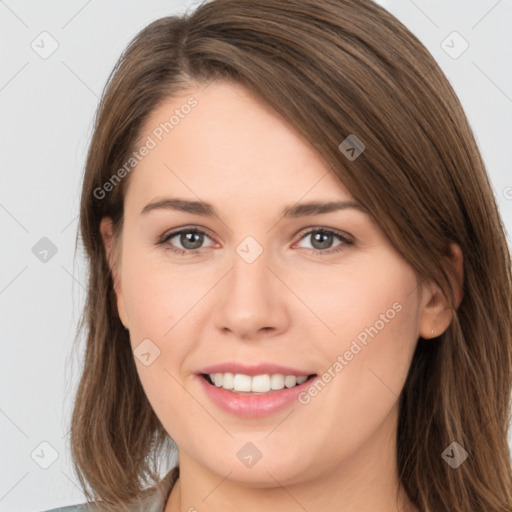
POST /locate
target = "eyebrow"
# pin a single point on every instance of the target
(295, 211)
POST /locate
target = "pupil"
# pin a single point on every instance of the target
(188, 237)
(326, 243)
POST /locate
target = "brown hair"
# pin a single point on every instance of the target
(330, 68)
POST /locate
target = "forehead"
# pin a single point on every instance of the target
(221, 139)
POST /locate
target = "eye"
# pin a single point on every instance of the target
(191, 239)
(322, 239)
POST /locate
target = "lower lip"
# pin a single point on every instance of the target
(253, 406)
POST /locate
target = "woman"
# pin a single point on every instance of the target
(299, 280)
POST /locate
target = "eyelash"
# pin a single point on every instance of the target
(190, 252)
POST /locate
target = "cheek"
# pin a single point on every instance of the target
(367, 389)
(156, 294)
(157, 300)
(373, 311)
(162, 302)
(381, 326)
(373, 298)
(377, 337)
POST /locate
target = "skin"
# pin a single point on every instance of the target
(292, 306)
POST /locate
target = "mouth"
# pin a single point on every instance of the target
(255, 391)
(263, 384)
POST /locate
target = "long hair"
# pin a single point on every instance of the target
(331, 68)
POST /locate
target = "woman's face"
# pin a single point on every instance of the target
(266, 288)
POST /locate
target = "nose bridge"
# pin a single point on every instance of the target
(250, 274)
(250, 301)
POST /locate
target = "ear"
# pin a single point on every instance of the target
(436, 313)
(111, 251)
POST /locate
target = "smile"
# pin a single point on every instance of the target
(255, 396)
(256, 384)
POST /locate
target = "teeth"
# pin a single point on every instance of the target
(290, 381)
(228, 381)
(277, 381)
(257, 384)
(240, 382)
(260, 384)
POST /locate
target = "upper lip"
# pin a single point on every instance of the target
(257, 369)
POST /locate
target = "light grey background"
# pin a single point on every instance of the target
(47, 105)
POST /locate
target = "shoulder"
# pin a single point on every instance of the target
(151, 500)
(72, 508)
(147, 501)
(82, 507)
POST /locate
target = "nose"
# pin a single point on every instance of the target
(251, 303)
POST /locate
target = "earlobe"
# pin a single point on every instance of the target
(437, 313)
(435, 316)
(107, 235)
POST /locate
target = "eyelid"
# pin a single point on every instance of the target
(346, 241)
(187, 229)
(318, 228)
